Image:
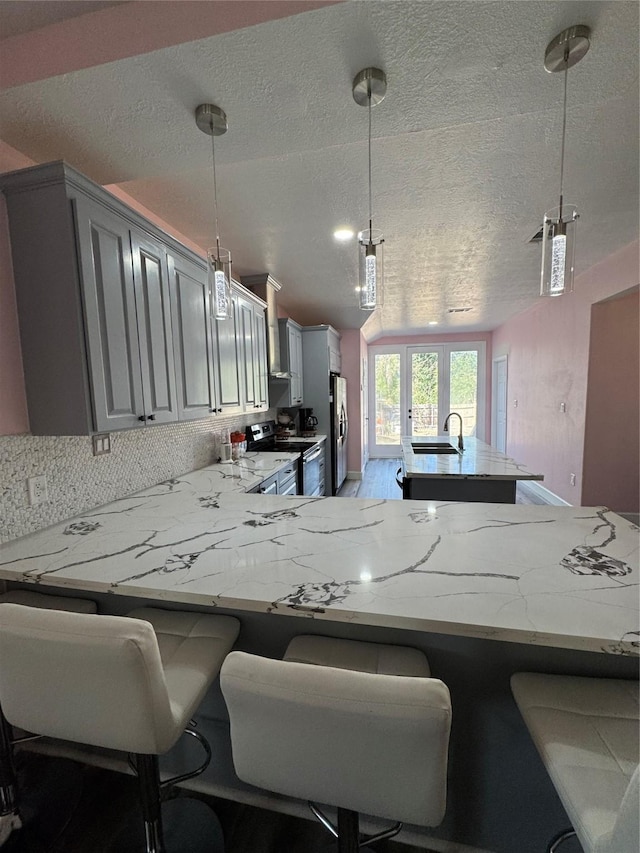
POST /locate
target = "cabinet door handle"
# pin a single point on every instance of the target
(151, 418)
(141, 418)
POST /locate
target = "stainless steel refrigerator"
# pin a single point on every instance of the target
(339, 431)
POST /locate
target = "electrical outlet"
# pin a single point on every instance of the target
(563, 407)
(515, 404)
(572, 479)
(38, 493)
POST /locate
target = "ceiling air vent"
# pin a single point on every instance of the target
(458, 310)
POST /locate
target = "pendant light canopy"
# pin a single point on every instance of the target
(559, 225)
(213, 121)
(369, 88)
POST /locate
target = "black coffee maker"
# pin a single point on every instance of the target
(308, 422)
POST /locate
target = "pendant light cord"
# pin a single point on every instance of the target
(370, 206)
(215, 194)
(564, 130)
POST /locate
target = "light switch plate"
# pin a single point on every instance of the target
(101, 443)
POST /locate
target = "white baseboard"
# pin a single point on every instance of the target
(354, 475)
(545, 495)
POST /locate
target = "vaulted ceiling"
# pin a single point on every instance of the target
(466, 145)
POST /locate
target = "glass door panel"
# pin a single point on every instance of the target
(386, 427)
(463, 389)
(424, 385)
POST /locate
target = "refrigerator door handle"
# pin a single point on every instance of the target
(344, 423)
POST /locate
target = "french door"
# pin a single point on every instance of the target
(413, 388)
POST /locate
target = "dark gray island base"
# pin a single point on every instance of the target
(459, 489)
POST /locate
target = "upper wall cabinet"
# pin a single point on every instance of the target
(114, 314)
(288, 392)
(192, 338)
(125, 290)
(252, 351)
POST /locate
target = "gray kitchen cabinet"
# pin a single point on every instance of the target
(269, 486)
(192, 338)
(227, 363)
(125, 289)
(288, 479)
(252, 351)
(335, 356)
(288, 392)
(93, 292)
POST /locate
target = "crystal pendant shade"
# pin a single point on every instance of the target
(370, 269)
(219, 270)
(558, 243)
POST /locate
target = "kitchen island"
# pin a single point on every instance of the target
(479, 472)
(483, 589)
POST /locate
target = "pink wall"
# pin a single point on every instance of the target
(548, 356)
(459, 337)
(13, 401)
(352, 347)
(130, 29)
(611, 470)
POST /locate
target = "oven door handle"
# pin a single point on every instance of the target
(313, 455)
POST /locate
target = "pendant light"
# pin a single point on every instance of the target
(559, 226)
(213, 121)
(369, 88)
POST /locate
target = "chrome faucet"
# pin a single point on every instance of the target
(446, 428)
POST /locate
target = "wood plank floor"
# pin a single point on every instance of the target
(379, 481)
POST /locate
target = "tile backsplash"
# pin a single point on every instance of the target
(77, 480)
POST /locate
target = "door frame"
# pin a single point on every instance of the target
(495, 399)
(444, 350)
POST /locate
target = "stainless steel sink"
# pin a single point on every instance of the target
(434, 447)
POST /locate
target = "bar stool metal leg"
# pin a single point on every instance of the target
(149, 784)
(348, 831)
(557, 840)
(8, 785)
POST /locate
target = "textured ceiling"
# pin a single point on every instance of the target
(465, 149)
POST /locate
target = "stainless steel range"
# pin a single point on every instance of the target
(262, 437)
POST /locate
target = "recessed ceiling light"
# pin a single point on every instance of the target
(433, 323)
(343, 234)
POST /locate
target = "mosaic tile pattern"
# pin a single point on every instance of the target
(77, 480)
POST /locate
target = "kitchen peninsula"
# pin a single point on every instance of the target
(438, 469)
(484, 589)
(557, 576)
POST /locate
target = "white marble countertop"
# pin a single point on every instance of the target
(239, 476)
(555, 576)
(476, 460)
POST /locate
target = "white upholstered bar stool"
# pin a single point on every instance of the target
(361, 727)
(123, 683)
(10, 817)
(586, 731)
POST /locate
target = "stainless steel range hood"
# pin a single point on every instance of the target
(266, 287)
